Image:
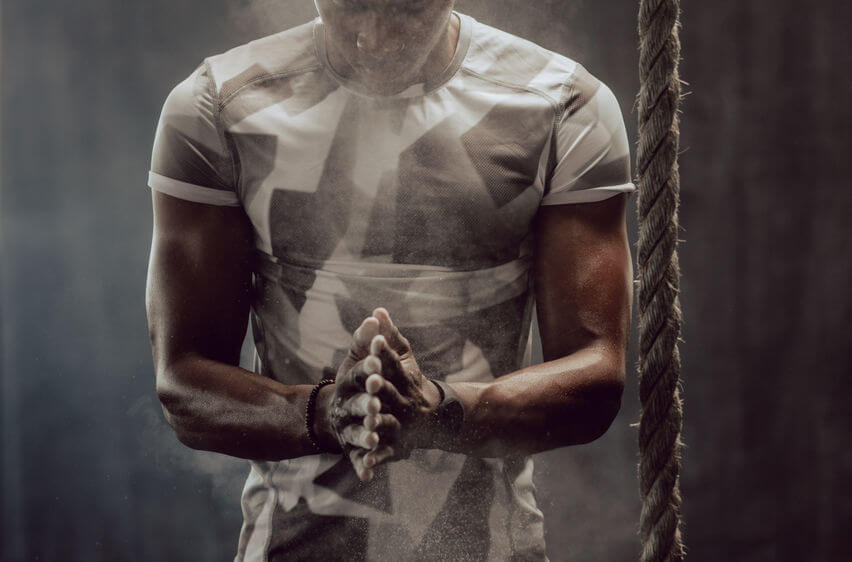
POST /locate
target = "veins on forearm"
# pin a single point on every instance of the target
(567, 401)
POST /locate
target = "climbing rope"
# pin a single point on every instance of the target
(659, 281)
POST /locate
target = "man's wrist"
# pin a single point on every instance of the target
(434, 395)
(325, 436)
(444, 420)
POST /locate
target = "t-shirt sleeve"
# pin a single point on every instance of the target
(591, 151)
(189, 158)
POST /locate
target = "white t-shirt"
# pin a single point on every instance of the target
(421, 202)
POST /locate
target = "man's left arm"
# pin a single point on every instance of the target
(583, 288)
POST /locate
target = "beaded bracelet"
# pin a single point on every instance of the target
(309, 412)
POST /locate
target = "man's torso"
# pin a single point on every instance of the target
(422, 203)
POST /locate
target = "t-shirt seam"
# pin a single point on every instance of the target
(514, 86)
(275, 490)
(220, 129)
(553, 155)
(558, 110)
(221, 104)
(254, 81)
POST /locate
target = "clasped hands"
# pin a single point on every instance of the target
(379, 407)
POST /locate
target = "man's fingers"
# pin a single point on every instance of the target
(378, 456)
(390, 364)
(362, 404)
(383, 424)
(390, 398)
(361, 338)
(374, 383)
(356, 457)
(359, 436)
(354, 380)
(388, 329)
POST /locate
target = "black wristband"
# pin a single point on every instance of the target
(448, 417)
(440, 388)
(309, 412)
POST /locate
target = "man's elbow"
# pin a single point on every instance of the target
(604, 404)
(174, 408)
(183, 436)
(609, 408)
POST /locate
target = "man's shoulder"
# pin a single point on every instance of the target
(286, 52)
(505, 58)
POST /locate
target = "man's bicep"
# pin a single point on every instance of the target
(583, 277)
(199, 278)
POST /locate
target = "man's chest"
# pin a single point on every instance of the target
(443, 181)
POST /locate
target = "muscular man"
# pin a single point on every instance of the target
(385, 192)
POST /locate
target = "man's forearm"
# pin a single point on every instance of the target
(568, 401)
(215, 406)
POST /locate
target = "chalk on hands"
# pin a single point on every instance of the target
(372, 364)
(356, 457)
(371, 422)
(379, 455)
(363, 404)
(359, 436)
(377, 344)
(374, 383)
(366, 331)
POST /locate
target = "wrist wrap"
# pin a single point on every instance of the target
(447, 419)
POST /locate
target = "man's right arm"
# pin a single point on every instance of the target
(197, 298)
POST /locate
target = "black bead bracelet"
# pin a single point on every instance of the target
(310, 410)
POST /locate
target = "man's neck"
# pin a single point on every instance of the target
(439, 59)
(444, 51)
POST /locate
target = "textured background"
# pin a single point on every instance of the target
(91, 471)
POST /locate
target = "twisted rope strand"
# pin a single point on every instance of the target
(660, 319)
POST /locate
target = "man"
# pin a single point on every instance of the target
(386, 191)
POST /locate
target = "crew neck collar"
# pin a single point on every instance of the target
(414, 90)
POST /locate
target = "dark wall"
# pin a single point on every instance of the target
(91, 471)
